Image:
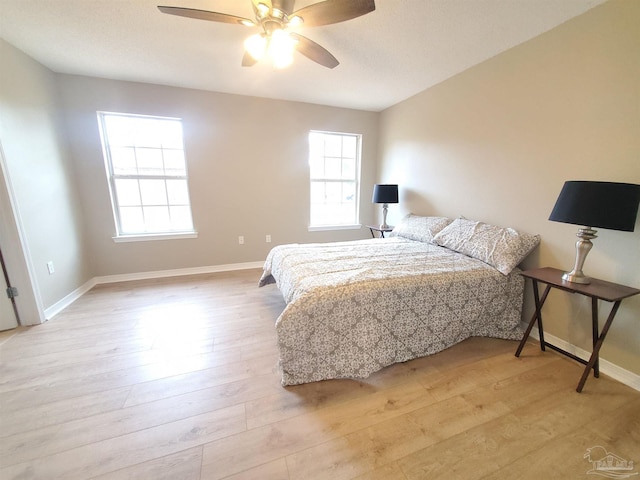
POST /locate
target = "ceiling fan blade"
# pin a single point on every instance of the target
(204, 15)
(248, 60)
(315, 52)
(333, 11)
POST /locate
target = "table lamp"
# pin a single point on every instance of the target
(609, 205)
(385, 194)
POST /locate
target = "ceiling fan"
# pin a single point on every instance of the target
(276, 19)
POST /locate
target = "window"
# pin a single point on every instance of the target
(334, 165)
(147, 172)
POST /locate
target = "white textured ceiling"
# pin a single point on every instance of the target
(402, 48)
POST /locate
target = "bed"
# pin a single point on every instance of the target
(353, 308)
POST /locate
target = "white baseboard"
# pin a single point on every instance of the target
(127, 277)
(63, 303)
(610, 369)
(60, 305)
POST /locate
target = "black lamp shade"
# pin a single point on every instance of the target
(385, 194)
(609, 205)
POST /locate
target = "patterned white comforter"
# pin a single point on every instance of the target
(356, 307)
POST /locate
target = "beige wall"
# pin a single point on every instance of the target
(42, 182)
(248, 173)
(496, 143)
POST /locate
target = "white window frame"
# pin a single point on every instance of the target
(355, 221)
(122, 235)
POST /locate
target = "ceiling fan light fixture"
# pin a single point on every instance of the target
(247, 23)
(256, 46)
(263, 9)
(295, 21)
(281, 48)
(282, 60)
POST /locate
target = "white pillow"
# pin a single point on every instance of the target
(421, 229)
(502, 248)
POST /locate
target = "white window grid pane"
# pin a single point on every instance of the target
(180, 217)
(316, 144)
(326, 214)
(349, 169)
(177, 192)
(333, 145)
(321, 215)
(334, 170)
(333, 203)
(174, 162)
(148, 132)
(170, 133)
(124, 160)
(153, 192)
(130, 219)
(316, 167)
(157, 219)
(349, 146)
(317, 192)
(128, 192)
(333, 193)
(149, 161)
(119, 130)
(149, 188)
(349, 192)
(333, 167)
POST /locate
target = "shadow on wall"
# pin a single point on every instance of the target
(412, 201)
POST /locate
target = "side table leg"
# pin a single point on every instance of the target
(598, 345)
(539, 304)
(594, 333)
(537, 315)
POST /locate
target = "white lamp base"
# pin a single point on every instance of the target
(384, 225)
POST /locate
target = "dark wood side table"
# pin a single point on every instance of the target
(380, 230)
(596, 290)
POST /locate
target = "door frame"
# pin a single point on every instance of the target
(16, 253)
(12, 300)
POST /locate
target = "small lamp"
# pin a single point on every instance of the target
(385, 194)
(609, 205)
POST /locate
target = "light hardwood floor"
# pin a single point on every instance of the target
(177, 379)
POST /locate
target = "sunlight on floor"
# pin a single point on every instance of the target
(179, 334)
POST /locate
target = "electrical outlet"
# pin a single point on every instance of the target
(50, 268)
(240, 240)
(268, 239)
